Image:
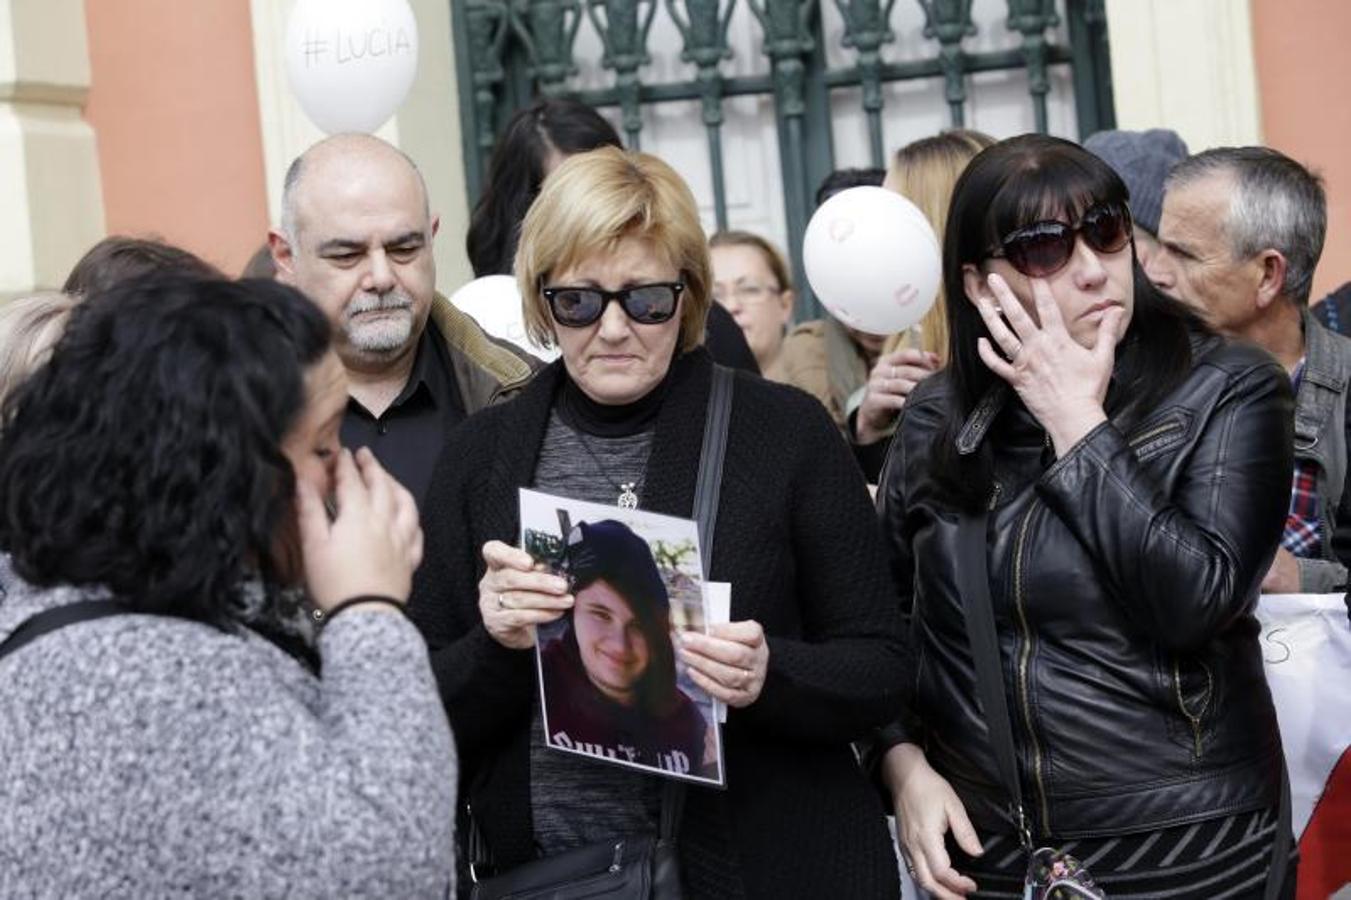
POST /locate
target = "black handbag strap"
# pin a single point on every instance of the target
(707, 490)
(49, 620)
(974, 582)
(1280, 848)
(709, 483)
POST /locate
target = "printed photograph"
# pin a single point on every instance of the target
(612, 686)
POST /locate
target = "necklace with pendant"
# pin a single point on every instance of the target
(627, 498)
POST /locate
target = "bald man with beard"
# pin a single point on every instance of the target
(356, 237)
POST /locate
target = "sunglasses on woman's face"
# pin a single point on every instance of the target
(1044, 248)
(647, 304)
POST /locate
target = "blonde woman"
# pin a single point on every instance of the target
(751, 281)
(923, 172)
(613, 268)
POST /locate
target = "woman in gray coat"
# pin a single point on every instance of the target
(241, 707)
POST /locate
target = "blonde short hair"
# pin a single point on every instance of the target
(592, 202)
(774, 260)
(29, 329)
(925, 172)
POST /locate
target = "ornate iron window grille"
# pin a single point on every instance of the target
(509, 51)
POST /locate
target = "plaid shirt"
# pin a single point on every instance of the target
(1302, 536)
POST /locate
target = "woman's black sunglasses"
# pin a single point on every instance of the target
(1044, 248)
(647, 304)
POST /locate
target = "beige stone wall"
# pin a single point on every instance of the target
(1186, 65)
(49, 174)
(429, 131)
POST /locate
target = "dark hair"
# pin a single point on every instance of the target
(1276, 204)
(145, 456)
(609, 551)
(1014, 183)
(843, 179)
(516, 172)
(118, 258)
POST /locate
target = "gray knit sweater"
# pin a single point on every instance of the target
(143, 756)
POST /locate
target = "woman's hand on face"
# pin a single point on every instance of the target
(1062, 383)
(926, 809)
(371, 547)
(516, 594)
(891, 381)
(730, 661)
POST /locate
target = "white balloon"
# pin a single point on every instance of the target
(494, 301)
(351, 62)
(872, 260)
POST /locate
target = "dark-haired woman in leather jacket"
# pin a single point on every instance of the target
(1133, 470)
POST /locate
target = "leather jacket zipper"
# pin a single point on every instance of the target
(1193, 718)
(1156, 431)
(1024, 663)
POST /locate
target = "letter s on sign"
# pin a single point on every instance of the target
(1274, 645)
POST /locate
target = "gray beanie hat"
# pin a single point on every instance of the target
(1143, 159)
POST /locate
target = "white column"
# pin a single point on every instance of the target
(429, 131)
(1186, 65)
(52, 202)
(426, 127)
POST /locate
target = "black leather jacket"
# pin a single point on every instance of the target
(1123, 577)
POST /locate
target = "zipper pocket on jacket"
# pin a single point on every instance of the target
(1193, 718)
(1024, 663)
(1152, 439)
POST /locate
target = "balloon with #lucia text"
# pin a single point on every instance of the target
(351, 62)
(872, 260)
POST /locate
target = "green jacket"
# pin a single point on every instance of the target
(487, 370)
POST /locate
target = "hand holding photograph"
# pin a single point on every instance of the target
(611, 683)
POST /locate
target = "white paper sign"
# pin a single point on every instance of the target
(1306, 645)
(718, 601)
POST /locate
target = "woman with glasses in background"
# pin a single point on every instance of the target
(1124, 473)
(751, 281)
(614, 267)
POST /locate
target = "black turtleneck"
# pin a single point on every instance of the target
(581, 413)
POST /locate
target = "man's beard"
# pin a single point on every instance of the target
(390, 332)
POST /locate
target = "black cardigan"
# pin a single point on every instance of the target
(797, 538)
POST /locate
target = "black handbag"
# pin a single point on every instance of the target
(639, 867)
(1051, 872)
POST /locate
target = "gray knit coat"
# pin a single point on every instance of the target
(144, 756)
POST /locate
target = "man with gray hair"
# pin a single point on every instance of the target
(356, 237)
(1241, 232)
